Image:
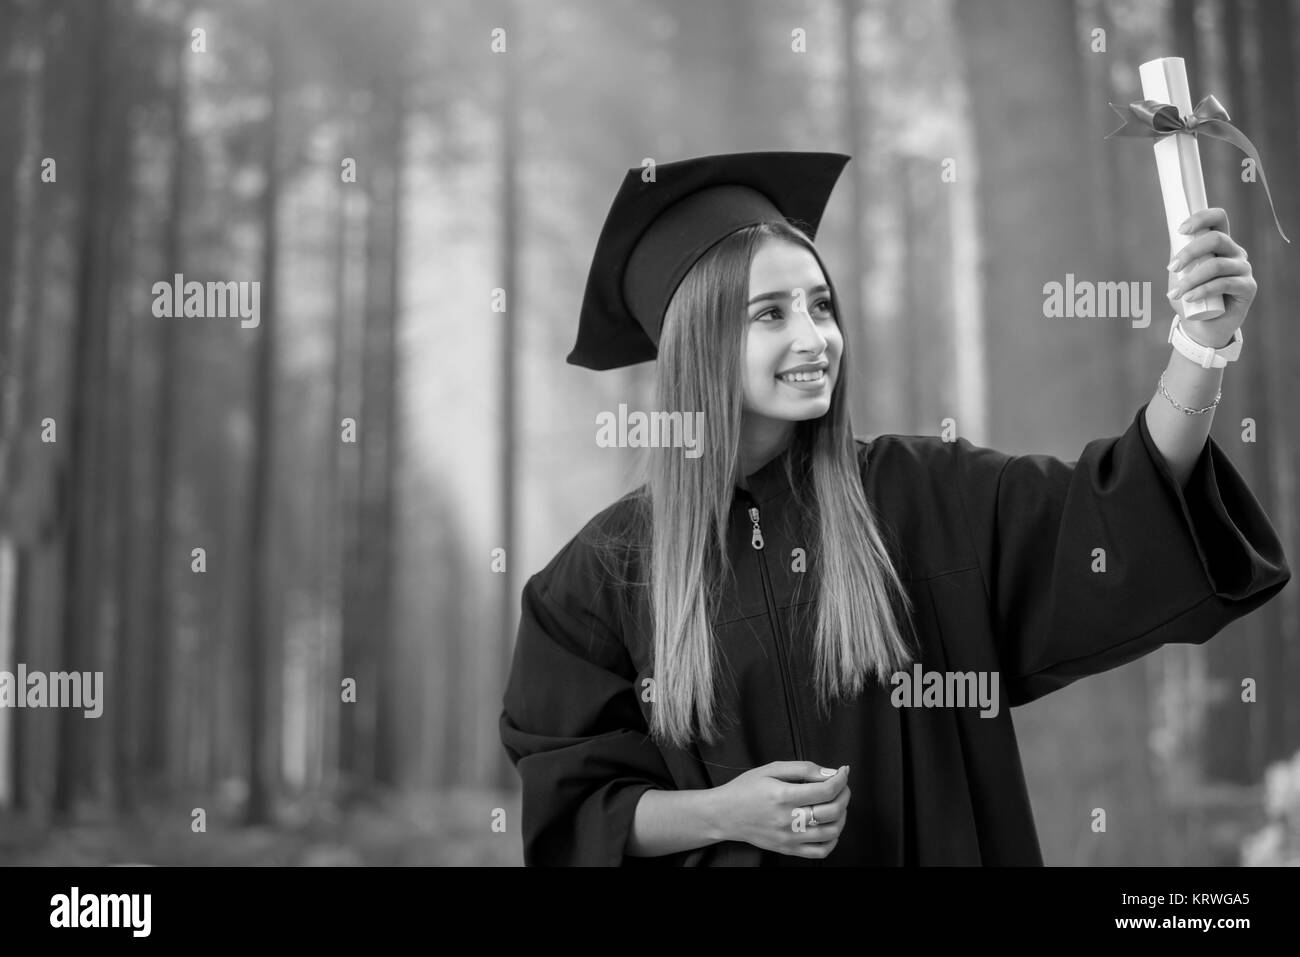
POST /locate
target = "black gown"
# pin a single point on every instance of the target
(997, 554)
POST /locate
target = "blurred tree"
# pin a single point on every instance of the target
(1279, 144)
(84, 460)
(366, 737)
(263, 633)
(1053, 384)
(338, 496)
(1223, 743)
(25, 509)
(856, 100)
(510, 242)
(164, 556)
(1246, 759)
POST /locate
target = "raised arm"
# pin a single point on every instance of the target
(1180, 435)
(1093, 563)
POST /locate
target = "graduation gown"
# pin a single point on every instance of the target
(997, 554)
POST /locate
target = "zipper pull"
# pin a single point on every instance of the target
(757, 540)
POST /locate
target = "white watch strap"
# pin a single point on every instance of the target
(1204, 356)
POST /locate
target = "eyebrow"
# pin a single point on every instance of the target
(820, 287)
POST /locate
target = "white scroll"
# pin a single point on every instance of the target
(1178, 161)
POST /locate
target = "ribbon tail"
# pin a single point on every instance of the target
(1230, 134)
(1131, 124)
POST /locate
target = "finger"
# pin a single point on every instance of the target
(1207, 270)
(823, 814)
(814, 851)
(805, 833)
(1215, 217)
(822, 792)
(840, 806)
(1239, 287)
(1209, 244)
(798, 771)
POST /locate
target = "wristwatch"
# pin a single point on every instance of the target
(1204, 356)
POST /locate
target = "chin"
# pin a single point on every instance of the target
(797, 412)
(812, 410)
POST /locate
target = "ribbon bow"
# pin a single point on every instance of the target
(1152, 118)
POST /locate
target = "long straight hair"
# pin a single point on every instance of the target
(684, 504)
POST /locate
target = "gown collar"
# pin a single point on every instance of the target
(767, 483)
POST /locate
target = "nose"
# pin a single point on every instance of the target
(807, 337)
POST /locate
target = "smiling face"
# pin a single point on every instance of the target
(791, 325)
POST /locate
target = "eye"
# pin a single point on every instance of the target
(823, 305)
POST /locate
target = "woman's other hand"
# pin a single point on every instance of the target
(769, 807)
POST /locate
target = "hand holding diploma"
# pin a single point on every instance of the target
(1211, 281)
(1212, 264)
(1211, 286)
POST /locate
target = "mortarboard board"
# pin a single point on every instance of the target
(656, 231)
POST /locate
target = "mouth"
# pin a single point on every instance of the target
(815, 378)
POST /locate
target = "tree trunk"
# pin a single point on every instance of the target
(1258, 460)
(857, 337)
(34, 480)
(334, 493)
(163, 557)
(499, 772)
(116, 737)
(1023, 67)
(366, 617)
(84, 472)
(23, 260)
(261, 631)
(387, 306)
(1279, 283)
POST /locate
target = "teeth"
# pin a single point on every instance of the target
(804, 376)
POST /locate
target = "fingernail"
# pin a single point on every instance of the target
(1172, 294)
(1173, 265)
(1186, 227)
(827, 772)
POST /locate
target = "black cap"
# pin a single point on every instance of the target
(656, 231)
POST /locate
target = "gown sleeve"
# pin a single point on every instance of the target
(571, 723)
(1179, 564)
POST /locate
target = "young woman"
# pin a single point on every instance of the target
(699, 671)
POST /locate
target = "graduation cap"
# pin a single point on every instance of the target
(656, 231)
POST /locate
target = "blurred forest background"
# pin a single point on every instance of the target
(223, 155)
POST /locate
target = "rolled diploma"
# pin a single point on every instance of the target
(1178, 161)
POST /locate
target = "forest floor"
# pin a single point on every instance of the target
(446, 828)
(449, 828)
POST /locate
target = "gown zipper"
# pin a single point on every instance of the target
(768, 596)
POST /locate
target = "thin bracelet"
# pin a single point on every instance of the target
(1165, 393)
